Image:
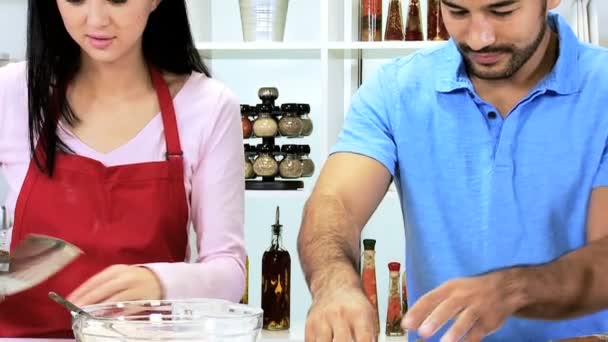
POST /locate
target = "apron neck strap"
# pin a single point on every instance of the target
(165, 100)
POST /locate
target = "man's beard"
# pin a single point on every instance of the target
(518, 57)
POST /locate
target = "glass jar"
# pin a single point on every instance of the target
(394, 23)
(413, 28)
(265, 125)
(368, 277)
(308, 166)
(290, 124)
(245, 297)
(291, 166)
(307, 126)
(4, 59)
(4, 240)
(268, 95)
(249, 154)
(393, 314)
(246, 121)
(370, 22)
(436, 27)
(265, 165)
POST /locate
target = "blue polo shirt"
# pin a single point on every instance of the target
(479, 193)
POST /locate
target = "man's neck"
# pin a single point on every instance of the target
(505, 93)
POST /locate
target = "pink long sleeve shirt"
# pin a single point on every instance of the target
(208, 119)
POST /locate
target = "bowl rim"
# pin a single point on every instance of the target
(253, 312)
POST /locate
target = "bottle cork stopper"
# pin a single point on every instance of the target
(369, 244)
(394, 266)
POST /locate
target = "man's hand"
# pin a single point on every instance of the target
(341, 315)
(118, 283)
(478, 306)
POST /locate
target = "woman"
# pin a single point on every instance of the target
(113, 137)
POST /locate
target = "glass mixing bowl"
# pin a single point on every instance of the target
(169, 320)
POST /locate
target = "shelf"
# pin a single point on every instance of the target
(387, 45)
(259, 50)
(379, 50)
(301, 194)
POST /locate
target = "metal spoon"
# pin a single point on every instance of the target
(68, 305)
(77, 310)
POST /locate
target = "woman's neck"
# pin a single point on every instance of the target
(123, 78)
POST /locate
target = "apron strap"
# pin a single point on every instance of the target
(174, 149)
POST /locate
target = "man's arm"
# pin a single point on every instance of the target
(577, 283)
(348, 191)
(573, 285)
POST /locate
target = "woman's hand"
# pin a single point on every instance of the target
(116, 284)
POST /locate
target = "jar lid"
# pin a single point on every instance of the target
(264, 148)
(304, 149)
(248, 148)
(290, 149)
(394, 266)
(264, 108)
(268, 93)
(276, 149)
(369, 244)
(245, 109)
(303, 108)
(289, 107)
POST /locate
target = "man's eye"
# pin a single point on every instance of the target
(502, 13)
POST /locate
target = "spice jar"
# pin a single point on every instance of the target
(268, 95)
(393, 314)
(246, 122)
(5, 233)
(308, 166)
(307, 126)
(290, 124)
(371, 20)
(265, 165)
(368, 277)
(249, 153)
(265, 125)
(290, 166)
(413, 28)
(394, 23)
(436, 27)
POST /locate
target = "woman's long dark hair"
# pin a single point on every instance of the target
(53, 59)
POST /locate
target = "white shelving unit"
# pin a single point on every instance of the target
(320, 62)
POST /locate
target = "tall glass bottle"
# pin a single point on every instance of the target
(393, 314)
(413, 28)
(436, 28)
(276, 279)
(368, 276)
(245, 298)
(370, 21)
(394, 22)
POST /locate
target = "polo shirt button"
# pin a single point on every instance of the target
(492, 115)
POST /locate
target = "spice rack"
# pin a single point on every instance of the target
(271, 122)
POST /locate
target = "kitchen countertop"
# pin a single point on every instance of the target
(293, 335)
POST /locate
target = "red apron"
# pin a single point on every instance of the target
(128, 214)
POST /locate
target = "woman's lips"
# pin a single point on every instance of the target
(100, 42)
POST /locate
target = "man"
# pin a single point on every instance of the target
(497, 144)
